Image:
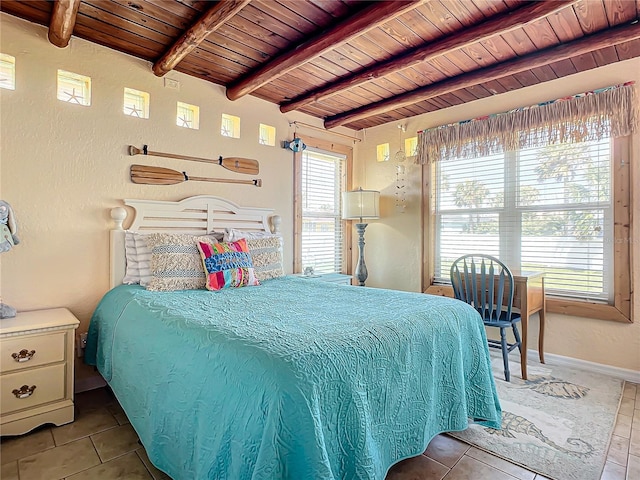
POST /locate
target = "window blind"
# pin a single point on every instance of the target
(538, 209)
(323, 180)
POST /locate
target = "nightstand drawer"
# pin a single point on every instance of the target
(48, 348)
(49, 382)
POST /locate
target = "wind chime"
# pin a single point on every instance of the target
(400, 159)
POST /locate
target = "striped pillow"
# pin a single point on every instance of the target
(138, 258)
(266, 255)
(175, 262)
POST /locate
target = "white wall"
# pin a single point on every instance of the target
(605, 342)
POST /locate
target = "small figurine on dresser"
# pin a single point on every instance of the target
(8, 238)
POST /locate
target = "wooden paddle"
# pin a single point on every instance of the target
(165, 176)
(235, 164)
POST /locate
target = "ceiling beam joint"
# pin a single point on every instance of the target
(63, 19)
(208, 23)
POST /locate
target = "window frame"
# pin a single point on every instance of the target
(328, 146)
(621, 308)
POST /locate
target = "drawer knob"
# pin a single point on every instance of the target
(25, 391)
(23, 355)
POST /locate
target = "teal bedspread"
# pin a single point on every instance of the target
(291, 380)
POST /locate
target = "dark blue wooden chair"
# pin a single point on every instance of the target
(485, 283)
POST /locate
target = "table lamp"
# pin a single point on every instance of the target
(358, 205)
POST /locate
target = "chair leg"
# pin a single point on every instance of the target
(505, 353)
(516, 334)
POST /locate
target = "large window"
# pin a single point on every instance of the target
(541, 209)
(322, 183)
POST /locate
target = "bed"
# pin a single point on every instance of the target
(293, 379)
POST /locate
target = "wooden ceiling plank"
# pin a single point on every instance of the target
(195, 35)
(89, 10)
(619, 11)
(354, 26)
(63, 19)
(628, 50)
(544, 73)
(542, 34)
(591, 16)
(143, 50)
(132, 16)
(605, 56)
(563, 67)
(584, 62)
(606, 38)
(420, 26)
(275, 25)
(495, 26)
(149, 9)
(31, 11)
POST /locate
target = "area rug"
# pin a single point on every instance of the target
(557, 423)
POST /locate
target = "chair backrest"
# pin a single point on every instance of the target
(485, 283)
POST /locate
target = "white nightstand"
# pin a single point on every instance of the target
(36, 369)
(339, 278)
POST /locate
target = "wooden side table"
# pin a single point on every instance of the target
(36, 370)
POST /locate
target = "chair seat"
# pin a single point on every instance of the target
(503, 321)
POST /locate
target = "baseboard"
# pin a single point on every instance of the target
(622, 373)
(89, 383)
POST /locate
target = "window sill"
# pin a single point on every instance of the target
(561, 305)
(588, 310)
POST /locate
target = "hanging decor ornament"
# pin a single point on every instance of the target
(400, 158)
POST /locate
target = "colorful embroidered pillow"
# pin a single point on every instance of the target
(227, 264)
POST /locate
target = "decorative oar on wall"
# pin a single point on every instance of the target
(165, 176)
(235, 164)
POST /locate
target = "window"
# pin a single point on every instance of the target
(230, 126)
(545, 209)
(382, 152)
(411, 146)
(321, 239)
(7, 71)
(267, 135)
(74, 88)
(188, 116)
(136, 103)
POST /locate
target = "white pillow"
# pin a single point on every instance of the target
(138, 257)
(233, 235)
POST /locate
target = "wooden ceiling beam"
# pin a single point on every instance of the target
(365, 20)
(496, 25)
(213, 19)
(603, 39)
(63, 19)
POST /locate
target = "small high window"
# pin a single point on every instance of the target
(136, 103)
(382, 152)
(411, 146)
(74, 88)
(267, 135)
(188, 116)
(7, 71)
(230, 126)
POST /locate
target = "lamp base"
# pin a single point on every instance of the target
(7, 311)
(361, 268)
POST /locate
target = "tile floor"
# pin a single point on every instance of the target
(101, 445)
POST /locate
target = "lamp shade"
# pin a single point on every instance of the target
(359, 204)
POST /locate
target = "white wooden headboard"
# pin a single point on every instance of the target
(197, 215)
